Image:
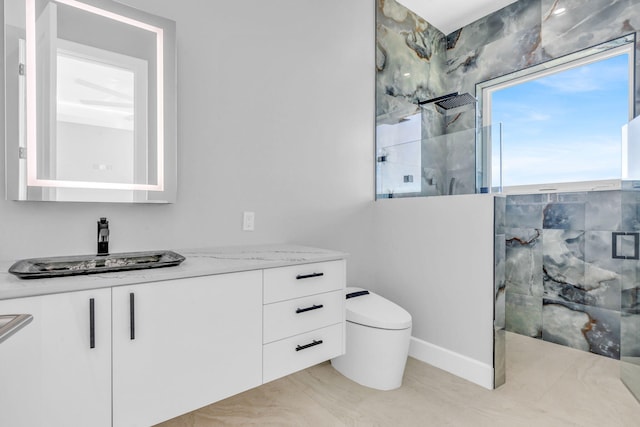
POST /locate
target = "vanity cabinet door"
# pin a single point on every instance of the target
(182, 344)
(52, 373)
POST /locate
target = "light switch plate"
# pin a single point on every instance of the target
(248, 221)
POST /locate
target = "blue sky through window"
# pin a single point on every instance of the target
(565, 127)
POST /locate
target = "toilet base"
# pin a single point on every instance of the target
(374, 358)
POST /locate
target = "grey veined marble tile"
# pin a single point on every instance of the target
(585, 23)
(598, 250)
(523, 262)
(603, 210)
(526, 199)
(513, 18)
(523, 215)
(410, 61)
(629, 335)
(461, 173)
(578, 268)
(587, 328)
(564, 325)
(603, 286)
(630, 287)
(524, 315)
(495, 45)
(603, 332)
(630, 206)
(513, 52)
(603, 274)
(564, 267)
(561, 247)
(566, 216)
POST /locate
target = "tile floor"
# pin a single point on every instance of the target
(547, 385)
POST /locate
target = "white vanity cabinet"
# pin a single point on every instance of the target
(56, 371)
(304, 315)
(183, 344)
(139, 354)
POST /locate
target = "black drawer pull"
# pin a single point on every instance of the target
(313, 307)
(311, 344)
(308, 276)
(92, 323)
(132, 316)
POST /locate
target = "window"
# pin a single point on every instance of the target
(559, 123)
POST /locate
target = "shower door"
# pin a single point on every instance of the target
(626, 245)
(630, 301)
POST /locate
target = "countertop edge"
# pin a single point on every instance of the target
(198, 263)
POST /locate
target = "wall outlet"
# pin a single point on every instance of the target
(248, 221)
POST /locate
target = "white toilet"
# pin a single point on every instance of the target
(378, 333)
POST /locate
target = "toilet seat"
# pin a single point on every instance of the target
(375, 311)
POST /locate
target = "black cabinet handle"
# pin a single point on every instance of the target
(311, 344)
(132, 316)
(308, 276)
(92, 323)
(313, 307)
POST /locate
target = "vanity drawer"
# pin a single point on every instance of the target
(287, 318)
(289, 355)
(302, 280)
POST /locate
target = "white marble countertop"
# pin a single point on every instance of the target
(198, 262)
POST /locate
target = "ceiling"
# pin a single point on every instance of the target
(450, 15)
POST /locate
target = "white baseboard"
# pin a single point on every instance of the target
(454, 363)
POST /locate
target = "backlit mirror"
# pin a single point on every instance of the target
(90, 102)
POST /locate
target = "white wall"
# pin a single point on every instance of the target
(275, 115)
(435, 258)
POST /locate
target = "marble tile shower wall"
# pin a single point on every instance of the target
(562, 283)
(527, 33)
(410, 67)
(416, 61)
(410, 62)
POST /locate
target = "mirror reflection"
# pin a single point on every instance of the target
(88, 112)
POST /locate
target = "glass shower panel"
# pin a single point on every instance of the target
(630, 298)
(398, 156)
(398, 169)
(448, 164)
(489, 159)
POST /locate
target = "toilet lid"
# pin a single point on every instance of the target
(376, 311)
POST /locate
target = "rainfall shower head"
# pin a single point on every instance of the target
(452, 100)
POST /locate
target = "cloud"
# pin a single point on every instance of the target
(564, 127)
(597, 76)
(536, 116)
(577, 81)
(518, 113)
(585, 158)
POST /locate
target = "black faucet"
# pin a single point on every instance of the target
(103, 237)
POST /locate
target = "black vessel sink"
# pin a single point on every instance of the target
(35, 268)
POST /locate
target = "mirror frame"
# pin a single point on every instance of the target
(164, 190)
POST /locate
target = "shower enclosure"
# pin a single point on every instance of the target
(408, 165)
(626, 245)
(630, 303)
